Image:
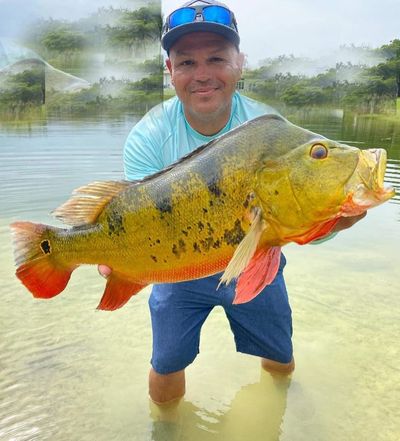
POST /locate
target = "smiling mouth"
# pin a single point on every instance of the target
(205, 91)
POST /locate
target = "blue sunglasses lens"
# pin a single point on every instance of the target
(217, 14)
(182, 16)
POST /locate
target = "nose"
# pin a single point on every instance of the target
(202, 72)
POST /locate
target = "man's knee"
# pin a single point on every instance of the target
(164, 388)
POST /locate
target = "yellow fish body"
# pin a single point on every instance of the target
(230, 205)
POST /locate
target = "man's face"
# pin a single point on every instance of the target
(205, 68)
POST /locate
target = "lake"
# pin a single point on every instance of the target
(69, 372)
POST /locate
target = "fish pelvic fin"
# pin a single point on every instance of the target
(36, 266)
(315, 233)
(117, 292)
(245, 250)
(260, 272)
(87, 202)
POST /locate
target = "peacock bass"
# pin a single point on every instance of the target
(228, 206)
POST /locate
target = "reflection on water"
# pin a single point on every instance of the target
(256, 410)
(68, 372)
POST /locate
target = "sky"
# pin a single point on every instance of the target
(268, 28)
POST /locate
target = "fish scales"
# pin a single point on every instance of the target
(229, 205)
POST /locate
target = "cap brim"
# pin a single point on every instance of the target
(174, 34)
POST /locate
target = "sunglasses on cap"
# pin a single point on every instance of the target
(208, 13)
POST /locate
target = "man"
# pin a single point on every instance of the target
(205, 63)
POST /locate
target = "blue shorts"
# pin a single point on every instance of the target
(261, 327)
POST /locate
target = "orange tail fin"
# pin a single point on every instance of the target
(37, 268)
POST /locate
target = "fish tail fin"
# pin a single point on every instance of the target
(37, 268)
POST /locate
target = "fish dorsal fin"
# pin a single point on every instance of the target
(87, 202)
(245, 250)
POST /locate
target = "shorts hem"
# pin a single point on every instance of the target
(280, 358)
(166, 371)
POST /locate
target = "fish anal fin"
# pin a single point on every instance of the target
(117, 292)
(87, 202)
(259, 273)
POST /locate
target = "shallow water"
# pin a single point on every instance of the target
(69, 372)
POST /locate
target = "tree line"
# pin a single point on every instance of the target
(366, 89)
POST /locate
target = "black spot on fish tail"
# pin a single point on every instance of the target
(115, 224)
(185, 232)
(276, 192)
(205, 210)
(45, 246)
(210, 229)
(235, 235)
(154, 258)
(201, 226)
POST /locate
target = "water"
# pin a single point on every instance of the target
(68, 372)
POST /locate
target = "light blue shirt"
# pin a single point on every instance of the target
(163, 135)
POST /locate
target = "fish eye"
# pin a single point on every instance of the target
(318, 151)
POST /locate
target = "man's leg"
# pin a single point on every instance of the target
(263, 326)
(178, 310)
(166, 388)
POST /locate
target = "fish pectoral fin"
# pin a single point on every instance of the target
(117, 292)
(87, 202)
(260, 272)
(245, 250)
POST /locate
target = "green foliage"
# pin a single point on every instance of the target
(63, 40)
(25, 88)
(136, 27)
(364, 89)
(300, 95)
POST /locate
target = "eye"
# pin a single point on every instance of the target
(186, 63)
(318, 151)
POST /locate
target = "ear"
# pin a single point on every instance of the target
(169, 66)
(240, 62)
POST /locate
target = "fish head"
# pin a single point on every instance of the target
(365, 189)
(319, 181)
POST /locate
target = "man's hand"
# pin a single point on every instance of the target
(347, 222)
(104, 270)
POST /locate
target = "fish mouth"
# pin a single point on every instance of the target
(365, 188)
